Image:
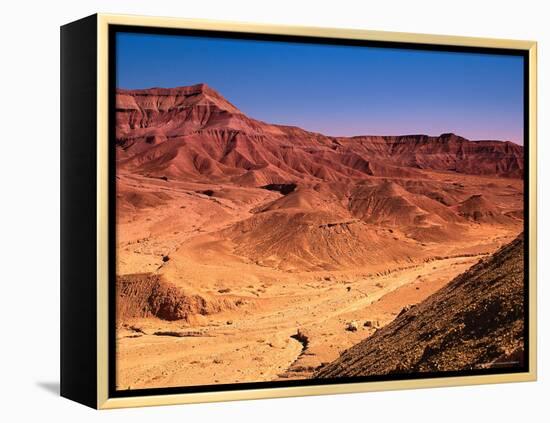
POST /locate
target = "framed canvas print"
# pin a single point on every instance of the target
(255, 211)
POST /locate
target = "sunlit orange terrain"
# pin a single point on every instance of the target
(250, 252)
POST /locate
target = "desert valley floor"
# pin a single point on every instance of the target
(254, 252)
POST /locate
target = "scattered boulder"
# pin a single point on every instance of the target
(372, 324)
(352, 326)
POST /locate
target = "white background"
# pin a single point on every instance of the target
(29, 240)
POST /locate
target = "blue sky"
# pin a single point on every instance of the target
(338, 90)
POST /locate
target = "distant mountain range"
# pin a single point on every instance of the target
(194, 132)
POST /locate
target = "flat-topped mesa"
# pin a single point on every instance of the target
(161, 113)
(449, 142)
(448, 138)
(184, 90)
(166, 98)
(180, 109)
(447, 152)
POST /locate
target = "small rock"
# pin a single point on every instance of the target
(352, 326)
(405, 309)
(165, 258)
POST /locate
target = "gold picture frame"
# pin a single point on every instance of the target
(100, 23)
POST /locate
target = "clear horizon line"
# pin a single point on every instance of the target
(385, 134)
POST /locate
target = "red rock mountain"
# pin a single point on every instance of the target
(195, 133)
(337, 201)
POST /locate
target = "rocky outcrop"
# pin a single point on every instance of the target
(448, 152)
(146, 295)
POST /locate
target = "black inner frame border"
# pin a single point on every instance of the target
(114, 29)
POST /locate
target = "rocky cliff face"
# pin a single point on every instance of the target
(448, 152)
(194, 132)
(475, 322)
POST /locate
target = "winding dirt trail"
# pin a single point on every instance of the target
(269, 319)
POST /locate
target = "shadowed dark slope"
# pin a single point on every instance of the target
(475, 322)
